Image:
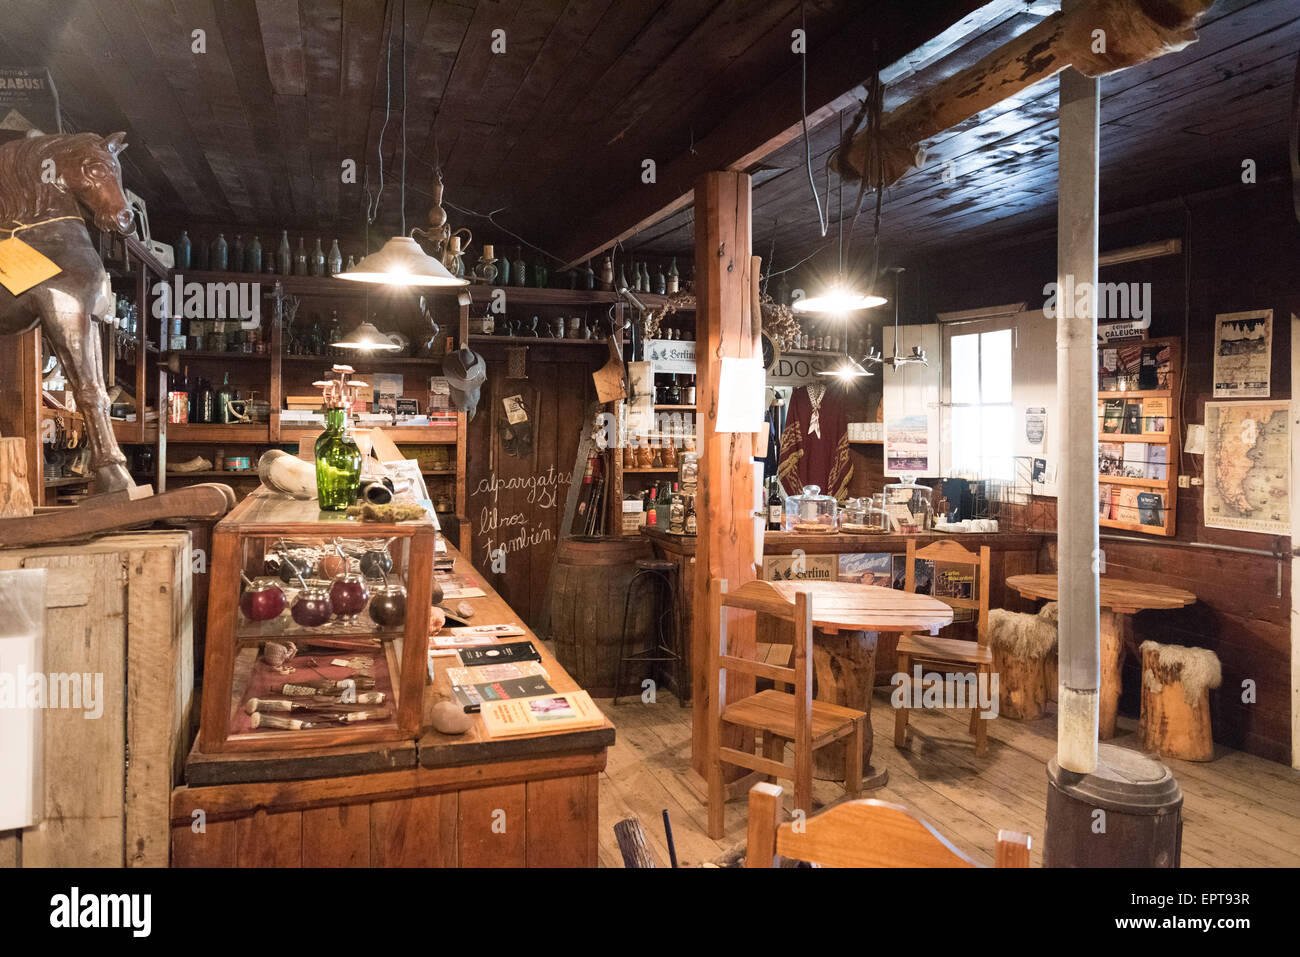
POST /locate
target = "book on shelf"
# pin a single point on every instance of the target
(1151, 509)
(1132, 417)
(1112, 415)
(471, 690)
(1155, 414)
(543, 714)
(1157, 461)
(1135, 460)
(1110, 458)
(477, 635)
(1104, 496)
(513, 651)
(1126, 505)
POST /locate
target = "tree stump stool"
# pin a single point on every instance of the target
(1176, 683)
(1021, 644)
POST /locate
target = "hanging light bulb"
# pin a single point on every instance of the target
(367, 338)
(838, 300)
(401, 261)
(846, 368)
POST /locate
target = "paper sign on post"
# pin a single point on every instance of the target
(740, 395)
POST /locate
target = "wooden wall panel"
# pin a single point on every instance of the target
(494, 827)
(266, 839)
(1241, 245)
(216, 846)
(414, 832)
(336, 836)
(562, 816)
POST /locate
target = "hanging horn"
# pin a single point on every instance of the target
(115, 143)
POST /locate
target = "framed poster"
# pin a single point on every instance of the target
(786, 568)
(1243, 354)
(1248, 466)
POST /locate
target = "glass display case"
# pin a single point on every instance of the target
(909, 506)
(864, 516)
(811, 511)
(317, 627)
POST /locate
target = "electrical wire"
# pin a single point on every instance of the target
(803, 109)
(372, 208)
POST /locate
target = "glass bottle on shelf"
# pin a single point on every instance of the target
(237, 253)
(223, 400)
(220, 253)
(775, 507)
(674, 277)
(338, 463)
(588, 277)
(300, 267)
(692, 523)
(284, 255)
(519, 269)
(335, 259)
(253, 256)
(183, 250)
(661, 281)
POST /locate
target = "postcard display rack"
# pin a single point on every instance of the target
(1138, 434)
(348, 667)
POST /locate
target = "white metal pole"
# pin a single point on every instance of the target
(1076, 389)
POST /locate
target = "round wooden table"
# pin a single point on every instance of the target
(847, 621)
(1120, 600)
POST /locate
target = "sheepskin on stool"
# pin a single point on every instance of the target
(1176, 683)
(1021, 644)
(1051, 612)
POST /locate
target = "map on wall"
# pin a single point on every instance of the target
(1248, 466)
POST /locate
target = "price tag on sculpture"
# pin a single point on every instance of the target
(22, 267)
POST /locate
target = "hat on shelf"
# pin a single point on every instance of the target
(465, 372)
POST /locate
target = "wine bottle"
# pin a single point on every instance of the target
(284, 255)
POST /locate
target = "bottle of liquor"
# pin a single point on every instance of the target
(674, 277)
(284, 255)
(775, 507)
(661, 281)
(220, 253)
(692, 523)
(652, 516)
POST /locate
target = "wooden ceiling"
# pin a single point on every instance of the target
(1177, 125)
(551, 135)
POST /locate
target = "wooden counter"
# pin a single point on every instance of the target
(441, 801)
(1011, 553)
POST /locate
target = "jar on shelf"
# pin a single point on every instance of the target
(915, 499)
(811, 511)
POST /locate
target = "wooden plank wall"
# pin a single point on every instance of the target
(548, 822)
(527, 516)
(1242, 244)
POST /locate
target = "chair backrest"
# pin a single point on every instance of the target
(948, 552)
(861, 834)
(762, 598)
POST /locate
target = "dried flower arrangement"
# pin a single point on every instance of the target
(779, 323)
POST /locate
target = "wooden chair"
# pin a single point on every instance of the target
(950, 655)
(861, 834)
(778, 715)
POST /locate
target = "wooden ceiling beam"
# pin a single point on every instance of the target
(771, 119)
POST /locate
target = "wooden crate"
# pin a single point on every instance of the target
(120, 606)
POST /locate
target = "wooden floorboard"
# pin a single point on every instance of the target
(1238, 810)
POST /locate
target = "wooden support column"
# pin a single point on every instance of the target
(725, 326)
(1076, 390)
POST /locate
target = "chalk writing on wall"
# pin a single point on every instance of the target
(518, 530)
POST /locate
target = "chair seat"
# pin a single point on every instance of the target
(655, 565)
(774, 711)
(944, 649)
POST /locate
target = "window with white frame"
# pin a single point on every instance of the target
(980, 417)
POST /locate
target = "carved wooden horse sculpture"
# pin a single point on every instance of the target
(42, 178)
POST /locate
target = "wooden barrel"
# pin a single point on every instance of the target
(588, 590)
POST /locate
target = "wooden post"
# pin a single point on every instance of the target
(1076, 391)
(725, 327)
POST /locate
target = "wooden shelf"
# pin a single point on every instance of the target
(1137, 393)
(1120, 437)
(213, 432)
(61, 482)
(184, 354)
(866, 441)
(680, 408)
(1129, 480)
(667, 468)
(207, 473)
(365, 359)
(536, 341)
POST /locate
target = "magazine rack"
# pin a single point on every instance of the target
(276, 680)
(1138, 434)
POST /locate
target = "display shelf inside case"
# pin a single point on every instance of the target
(316, 628)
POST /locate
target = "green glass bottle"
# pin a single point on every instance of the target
(338, 463)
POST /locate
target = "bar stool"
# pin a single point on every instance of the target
(661, 578)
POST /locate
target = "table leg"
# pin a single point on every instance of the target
(845, 666)
(1114, 632)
